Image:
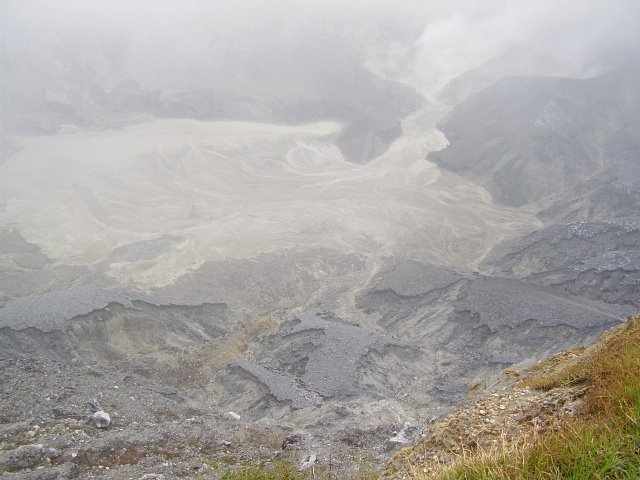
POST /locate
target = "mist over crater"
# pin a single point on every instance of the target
(313, 218)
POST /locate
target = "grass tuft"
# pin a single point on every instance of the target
(277, 471)
(602, 443)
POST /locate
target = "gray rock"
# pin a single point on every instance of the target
(474, 326)
(101, 419)
(411, 279)
(596, 259)
(26, 456)
(282, 387)
(332, 369)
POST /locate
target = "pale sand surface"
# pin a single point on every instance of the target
(237, 189)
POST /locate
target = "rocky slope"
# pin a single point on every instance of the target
(536, 139)
(594, 259)
(468, 326)
(169, 375)
(570, 150)
(525, 407)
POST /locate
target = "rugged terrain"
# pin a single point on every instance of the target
(574, 414)
(229, 291)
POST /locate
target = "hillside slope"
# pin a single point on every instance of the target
(575, 415)
(568, 150)
(531, 139)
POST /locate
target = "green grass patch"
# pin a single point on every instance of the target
(603, 444)
(362, 469)
(275, 471)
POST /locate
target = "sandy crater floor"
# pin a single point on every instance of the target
(226, 190)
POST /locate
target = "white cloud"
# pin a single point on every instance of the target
(426, 43)
(572, 37)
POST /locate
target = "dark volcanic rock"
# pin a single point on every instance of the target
(590, 202)
(332, 369)
(282, 387)
(411, 279)
(329, 361)
(467, 326)
(504, 305)
(27, 456)
(597, 259)
(53, 310)
(37, 344)
(570, 148)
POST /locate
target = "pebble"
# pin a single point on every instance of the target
(233, 415)
(101, 419)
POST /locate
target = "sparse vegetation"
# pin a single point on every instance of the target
(275, 471)
(603, 442)
(287, 470)
(235, 343)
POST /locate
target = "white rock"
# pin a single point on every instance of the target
(395, 441)
(101, 419)
(399, 438)
(309, 462)
(233, 415)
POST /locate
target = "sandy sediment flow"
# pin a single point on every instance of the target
(225, 190)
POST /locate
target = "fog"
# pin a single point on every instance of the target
(173, 45)
(381, 70)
